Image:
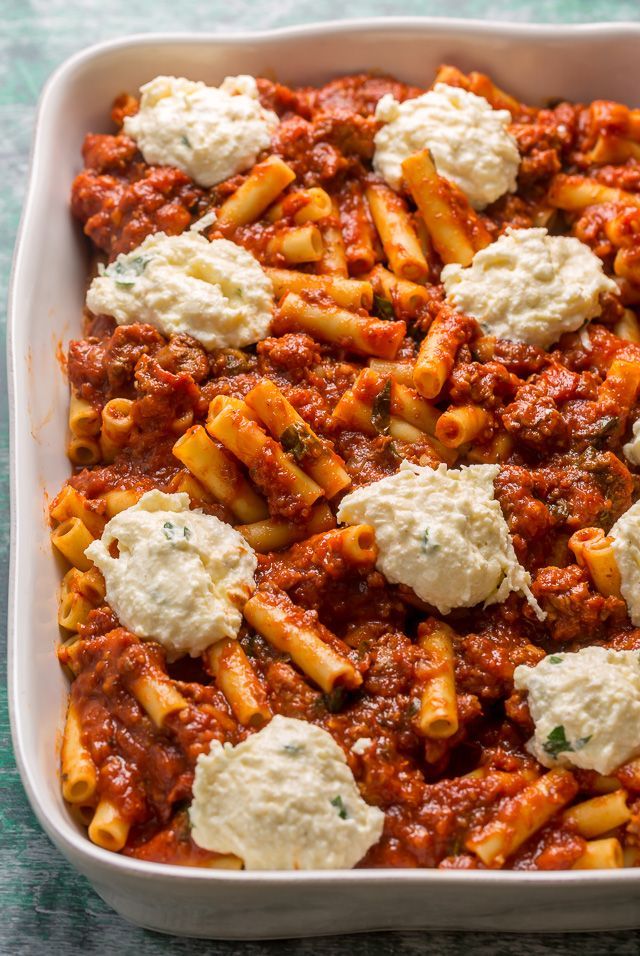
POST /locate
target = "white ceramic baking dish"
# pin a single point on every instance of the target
(534, 62)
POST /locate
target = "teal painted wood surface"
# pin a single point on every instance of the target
(44, 905)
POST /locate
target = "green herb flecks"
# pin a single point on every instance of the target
(381, 409)
(174, 532)
(294, 750)
(554, 659)
(428, 546)
(605, 426)
(126, 271)
(338, 803)
(557, 743)
(335, 699)
(298, 440)
(383, 309)
(392, 449)
(185, 142)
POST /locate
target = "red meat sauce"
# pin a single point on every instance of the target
(565, 471)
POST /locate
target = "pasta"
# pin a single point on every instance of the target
(462, 424)
(397, 235)
(303, 205)
(84, 418)
(248, 442)
(237, 681)
(333, 261)
(158, 698)
(349, 293)
(300, 244)
(360, 372)
(265, 182)
(438, 715)
(594, 552)
(79, 776)
(274, 534)
(293, 433)
(359, 333)
(219, 474)
(288, 629)
(455, 230)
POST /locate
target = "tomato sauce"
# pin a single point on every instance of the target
(565, 471)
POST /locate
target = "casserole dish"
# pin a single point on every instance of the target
(48, 286)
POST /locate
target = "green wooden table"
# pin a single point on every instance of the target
(44, 905)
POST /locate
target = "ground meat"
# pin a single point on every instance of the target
(348, 132)
(574, 611)
(123, 350)
(517, 357)
(313, 162)
(184, 355)
(86, 366)
(117, 214)
(486, 660)
(490, 384)
(103, 153)
(360, 93)
(162, 396)
(528, 518)
(534, 419)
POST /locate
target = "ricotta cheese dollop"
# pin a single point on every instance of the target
(217, 292)
(442, 533)
(585, 706)
(529, 286)
(626, 548)
(468, 139)
(209, 132)
(180, 577)
(632, 448)
(283, 799)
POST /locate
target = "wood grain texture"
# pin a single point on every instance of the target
(45, 906)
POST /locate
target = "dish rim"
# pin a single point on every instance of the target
(72, 843)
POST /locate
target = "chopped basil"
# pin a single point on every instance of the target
(382, 308)
(381, 409)
(554, 659)
(334, 700)
(338, 803)
(392, 448)
(604, 426)
(174, 532)
(293, 749)
(135, 266)
(557, 743)
(428, 547)
(185, 142)
(125, 273)
(297, 439)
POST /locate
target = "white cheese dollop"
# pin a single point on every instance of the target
(442, 533)
(180, 577)
(217, 292)
(284, 799)
(626, 548)
(632, 448)
(529, 286)
(209, 132)
(468, 140)
(585, 706)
